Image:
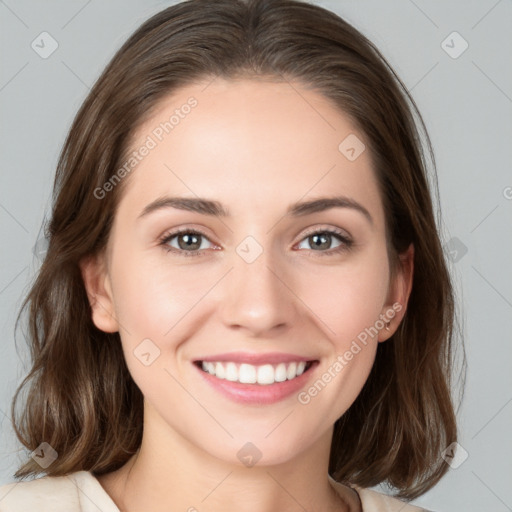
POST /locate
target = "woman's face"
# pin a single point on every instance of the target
(253, 285)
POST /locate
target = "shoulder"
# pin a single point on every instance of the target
(44, 493)
(373, 501)
(369, 500)
(70, 493)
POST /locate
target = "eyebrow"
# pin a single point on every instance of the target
(216, 209)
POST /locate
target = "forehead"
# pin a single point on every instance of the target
(250, 143)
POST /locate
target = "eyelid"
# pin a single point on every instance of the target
(326, 228)
(170, 234)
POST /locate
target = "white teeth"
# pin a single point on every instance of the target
(266, 374)
(249, 374)
(280, 373)
(231, 372)
(219, 371)
(291, 371)
(246, 374)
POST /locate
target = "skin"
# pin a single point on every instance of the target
(256, 147)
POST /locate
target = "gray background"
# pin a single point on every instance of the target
(466, 103)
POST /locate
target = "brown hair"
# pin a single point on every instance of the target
(82, 399)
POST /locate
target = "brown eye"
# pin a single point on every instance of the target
(187, 242)
(321, 242)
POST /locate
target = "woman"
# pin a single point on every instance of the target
(245, 303)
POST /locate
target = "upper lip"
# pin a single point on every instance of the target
(255, 359)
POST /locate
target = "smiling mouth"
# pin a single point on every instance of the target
(265, 374)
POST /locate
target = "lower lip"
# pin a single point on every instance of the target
(257, 393)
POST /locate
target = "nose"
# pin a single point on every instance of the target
(257, 297)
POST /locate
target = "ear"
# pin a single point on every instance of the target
(398, 296)
(99, 291)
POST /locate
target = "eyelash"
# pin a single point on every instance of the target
(345, 246)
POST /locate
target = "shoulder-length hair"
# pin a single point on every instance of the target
(81, 397)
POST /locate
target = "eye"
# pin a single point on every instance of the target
(322, 239)
(189, 242)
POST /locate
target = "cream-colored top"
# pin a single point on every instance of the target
(82, 492)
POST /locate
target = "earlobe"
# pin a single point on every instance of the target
(399, 296)
(99, 291)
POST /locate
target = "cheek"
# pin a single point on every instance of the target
(346, 299)
(159, 305)
(153, 301)
(347, 302)
(152, 294)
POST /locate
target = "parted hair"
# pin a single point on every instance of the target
(79, 395)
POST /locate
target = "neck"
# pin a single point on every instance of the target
(177, 475)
